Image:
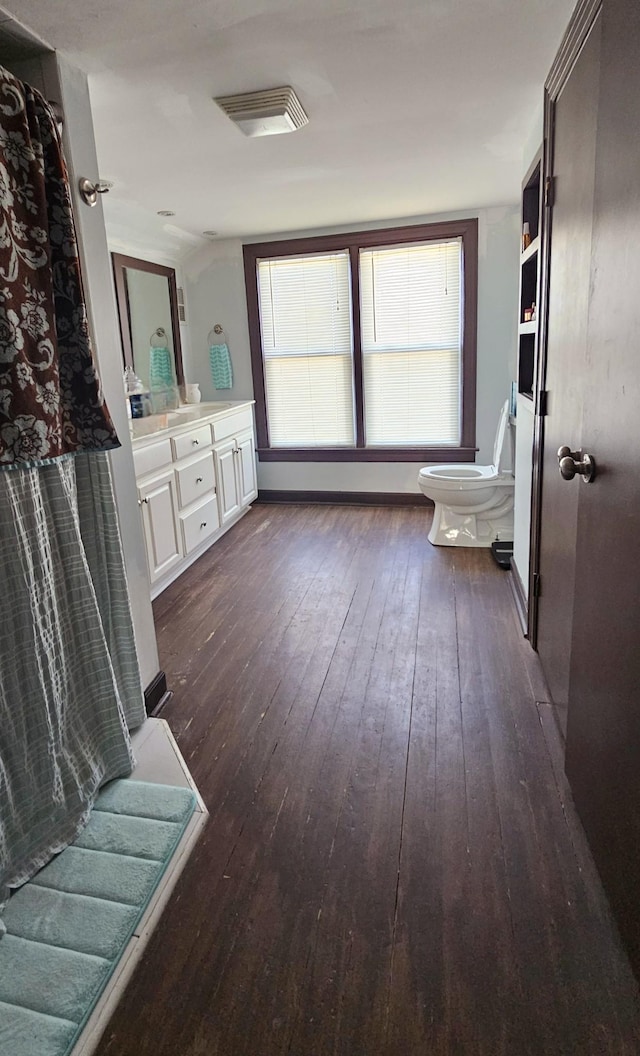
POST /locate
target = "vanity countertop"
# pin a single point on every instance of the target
(145, 429)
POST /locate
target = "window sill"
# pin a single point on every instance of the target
(367, 454)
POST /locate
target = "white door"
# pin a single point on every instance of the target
(227, 483)
(246, 465)
(161, 533)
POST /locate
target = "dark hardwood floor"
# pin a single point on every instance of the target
(393, 865)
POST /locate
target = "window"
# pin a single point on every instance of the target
(363, 345)
(307, 350)
(411, 338)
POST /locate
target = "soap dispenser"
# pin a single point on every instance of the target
(138, 398)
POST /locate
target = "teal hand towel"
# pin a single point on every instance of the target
(160, 368)
(221, 369)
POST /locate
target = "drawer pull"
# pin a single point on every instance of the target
(199, 480)
(195, 442)
(140, 501)
(203, 524)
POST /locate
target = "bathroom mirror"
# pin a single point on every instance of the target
(147, 299)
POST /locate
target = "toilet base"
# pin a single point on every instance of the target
(470, 529)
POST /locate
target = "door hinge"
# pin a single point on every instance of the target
(542, 403)
(537, 579)
(548, 192)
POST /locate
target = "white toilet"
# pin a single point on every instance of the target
(474, 504)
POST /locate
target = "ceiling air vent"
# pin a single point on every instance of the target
(265, 113)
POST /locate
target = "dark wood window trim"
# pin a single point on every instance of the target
(367, 454)
(467, 230)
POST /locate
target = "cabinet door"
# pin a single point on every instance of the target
(161, 535)
(246, 467)
(227, 483)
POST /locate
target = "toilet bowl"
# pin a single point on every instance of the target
(473, 504)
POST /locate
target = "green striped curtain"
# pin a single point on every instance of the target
(69, 679)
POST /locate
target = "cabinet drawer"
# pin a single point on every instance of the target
(232, 424)
(155, 456)
(195, 479)
(199, 524)
(188, 443)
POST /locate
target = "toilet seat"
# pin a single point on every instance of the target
(455, 477)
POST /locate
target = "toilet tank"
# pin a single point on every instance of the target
(502, 448)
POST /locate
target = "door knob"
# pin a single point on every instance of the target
(566, 452)
(571, 463)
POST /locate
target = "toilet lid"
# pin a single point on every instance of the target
(501, 435)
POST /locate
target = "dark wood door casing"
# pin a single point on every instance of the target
(571, 148)
(576, 35)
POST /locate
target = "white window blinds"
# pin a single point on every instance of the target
(305, 323)
(411, 307)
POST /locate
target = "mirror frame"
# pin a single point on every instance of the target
(120, 262)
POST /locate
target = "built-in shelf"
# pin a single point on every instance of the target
(529, 279)
(531, 250)
(527, 344)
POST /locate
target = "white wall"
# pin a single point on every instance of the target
(81, 157)
(215, 293)
(62, 82)
(215, 289)
(534, 138)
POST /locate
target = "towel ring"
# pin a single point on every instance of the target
(218, 331)
(160, 333)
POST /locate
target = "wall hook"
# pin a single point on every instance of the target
(161, 334)
(218, 330)
(90, 190)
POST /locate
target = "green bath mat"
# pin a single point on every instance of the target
(67, 928)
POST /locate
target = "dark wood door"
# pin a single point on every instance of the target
(572, 142)
(603, 736)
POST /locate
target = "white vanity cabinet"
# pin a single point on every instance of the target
(236, 473)
(157, 500)
(196, 476)
(246, 468)
(235, 463)
(225, 456)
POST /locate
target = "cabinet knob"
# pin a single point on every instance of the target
(195, 442)
(198, 480)
(203, 524)
(140, 501)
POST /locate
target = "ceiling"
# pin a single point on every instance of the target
(415, 107)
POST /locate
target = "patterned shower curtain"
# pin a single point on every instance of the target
(69, 681)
